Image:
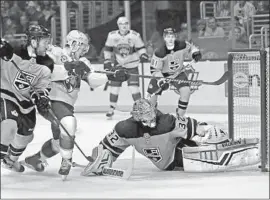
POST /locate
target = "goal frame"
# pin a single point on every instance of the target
(263, 100)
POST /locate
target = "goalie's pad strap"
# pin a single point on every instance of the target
(221, 157)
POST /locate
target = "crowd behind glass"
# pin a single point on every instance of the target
(16, 16)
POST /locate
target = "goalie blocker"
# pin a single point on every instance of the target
(221, 157)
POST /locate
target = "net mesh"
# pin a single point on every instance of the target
(247, 97)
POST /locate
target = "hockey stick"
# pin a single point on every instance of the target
(89, 158)
(220, 81)
(115, 172)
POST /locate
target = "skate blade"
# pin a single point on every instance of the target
(29, 166)
(11, 169)
(64, 177)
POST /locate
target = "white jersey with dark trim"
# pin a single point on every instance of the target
(65, 85)
(127, 48)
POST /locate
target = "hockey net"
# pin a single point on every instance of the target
(248, 98)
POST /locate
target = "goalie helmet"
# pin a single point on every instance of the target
(144, 112)
(76, 39)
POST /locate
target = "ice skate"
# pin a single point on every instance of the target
(110, 113)
(33, 162)
(9, 164)
(65, 168)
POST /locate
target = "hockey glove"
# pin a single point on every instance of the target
(79, 67)
(108, 66)
(6, 50)
(144, 58)
(196, 56)
(42, 102)
(163, 84)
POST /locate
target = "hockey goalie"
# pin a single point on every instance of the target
(173, 142)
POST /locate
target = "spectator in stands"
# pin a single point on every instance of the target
(35, 17)
(5, 9)
(223, 10)
(241, 40)
(183, 34)
(24, 23)
(15, 12)
(201, 26)
(262, 7)
(244, 10)
(212, 29)
(9, 26)
(48, 12)
(238, 24)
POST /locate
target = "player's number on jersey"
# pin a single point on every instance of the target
(182, 123)
(113, 137)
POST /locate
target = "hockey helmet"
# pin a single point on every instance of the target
(145, 112)
(75, 39)
(37, 32)
(169, 31)
(122, 20)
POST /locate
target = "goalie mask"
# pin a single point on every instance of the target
(144, 112)
(169, 36)
(78, 43)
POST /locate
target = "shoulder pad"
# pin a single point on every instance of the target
(161, 52)
(112, 32)
(134, 33)
(47, 61)
(179, 45)
(127, 128)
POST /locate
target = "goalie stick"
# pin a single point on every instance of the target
(89, 158)
(115, 172)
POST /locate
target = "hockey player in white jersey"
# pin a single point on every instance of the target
(166, 141)
(18, 99)
(129, 51)
(70, 69)
(166, 60)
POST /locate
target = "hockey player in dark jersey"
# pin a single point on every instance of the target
(165, 61)
(18, 99)
(161, 138)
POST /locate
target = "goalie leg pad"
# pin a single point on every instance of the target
(221, 157)
(103, 158)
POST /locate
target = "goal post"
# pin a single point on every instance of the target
(248, 98)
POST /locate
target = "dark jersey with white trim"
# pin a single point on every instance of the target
(157, 144)
(167, 61)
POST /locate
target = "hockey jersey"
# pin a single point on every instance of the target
(65, 85)
(167, 61)
(15, 88)
(127, 48)
(157, 144)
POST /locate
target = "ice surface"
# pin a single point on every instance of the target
(146, 181)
